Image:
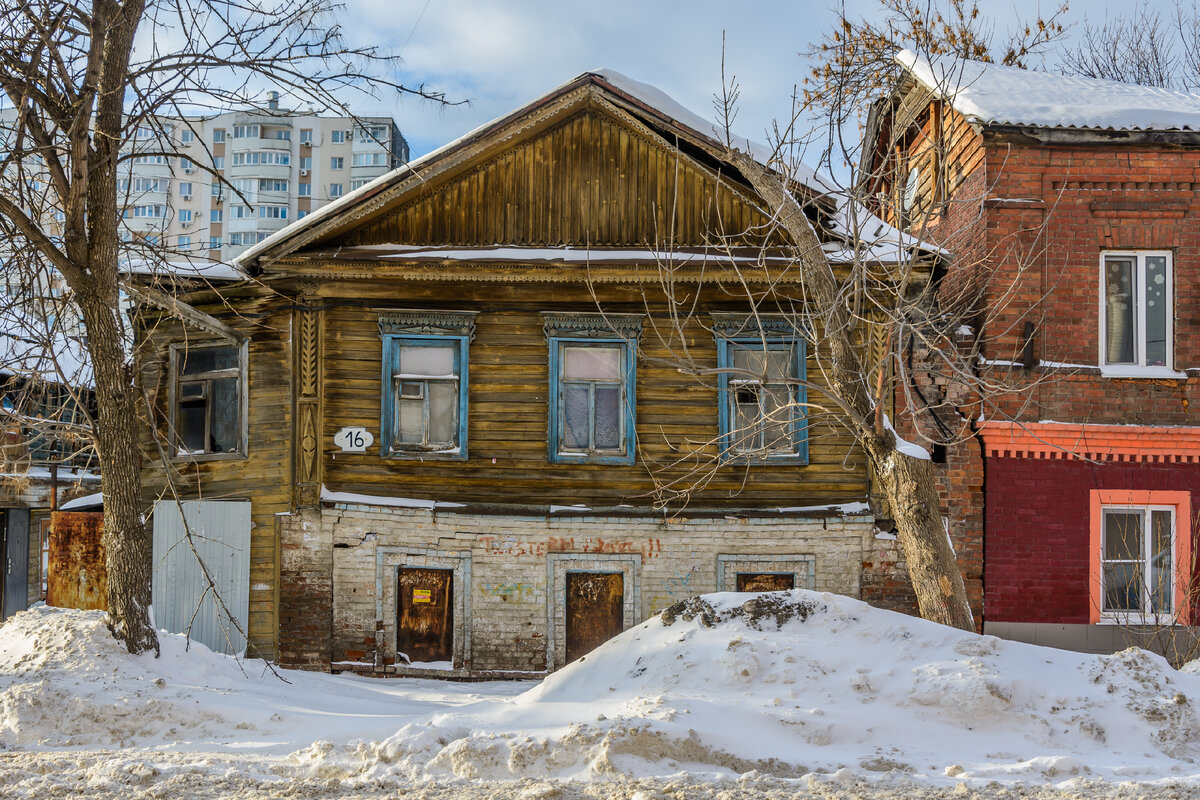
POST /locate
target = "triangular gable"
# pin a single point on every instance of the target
(590, 179)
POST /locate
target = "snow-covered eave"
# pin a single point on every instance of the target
(824, 510)
(1127, 109)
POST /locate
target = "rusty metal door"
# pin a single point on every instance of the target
(77, 576)
(595, 610)
(765, 581)
(425, 614)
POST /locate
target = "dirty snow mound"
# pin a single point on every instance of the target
(66, 682)
(787, 683)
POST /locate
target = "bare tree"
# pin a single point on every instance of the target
(1141, 46)
(81, 79)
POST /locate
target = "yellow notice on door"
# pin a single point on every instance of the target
(422, 595)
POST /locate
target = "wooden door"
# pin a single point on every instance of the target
(595, 610)
(765, 581)
(425, 615)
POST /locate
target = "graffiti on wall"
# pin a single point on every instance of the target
(511, 546)
(514, 591)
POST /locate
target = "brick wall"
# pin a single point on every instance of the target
(305, 591)
(509, 583)
(1038, 526)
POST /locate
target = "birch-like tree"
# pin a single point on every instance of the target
(78, 79)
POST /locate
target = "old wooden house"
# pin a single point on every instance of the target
(437, 424)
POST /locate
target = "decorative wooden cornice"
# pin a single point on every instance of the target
(1066, 440)
(427, 322)
(592, 325)
(741, 325)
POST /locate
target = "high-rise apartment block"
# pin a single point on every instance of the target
(277, 166)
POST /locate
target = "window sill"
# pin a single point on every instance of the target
(208, 456)
(759, 461)
(1132, 371)
(587, 458)
(456, 454)
(1136, 619)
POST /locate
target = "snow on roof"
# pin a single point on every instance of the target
(29, 347)
(995, 94)
(876, 239)
(85, 503)
(199, 269)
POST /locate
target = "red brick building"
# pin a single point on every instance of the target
(1071, 211)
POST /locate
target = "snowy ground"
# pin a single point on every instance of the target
(735, 696)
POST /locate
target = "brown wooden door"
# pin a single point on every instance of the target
(765, 581)
(425, 617)
(595, 610)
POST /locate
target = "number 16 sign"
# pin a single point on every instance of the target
(353, 440)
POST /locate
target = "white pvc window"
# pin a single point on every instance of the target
(1136, 309)
(1137, 562)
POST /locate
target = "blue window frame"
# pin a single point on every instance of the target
(762, 404)
(593, 377)
(424, 384)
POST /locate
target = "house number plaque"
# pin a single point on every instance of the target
(353, 439)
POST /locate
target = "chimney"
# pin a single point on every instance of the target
(273, 101)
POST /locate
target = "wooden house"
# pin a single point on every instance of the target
(441, 416)
(1071, 207)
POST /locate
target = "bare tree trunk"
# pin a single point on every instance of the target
(909, 484)
(127, 542)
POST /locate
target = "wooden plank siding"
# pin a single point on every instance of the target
(263, 477)
(588, 180)
(508, 412)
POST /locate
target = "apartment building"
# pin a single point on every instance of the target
(226, 182)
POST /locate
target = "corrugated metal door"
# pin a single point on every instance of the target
(220, 535)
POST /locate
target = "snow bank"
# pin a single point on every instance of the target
(790, 683)
(65, 682)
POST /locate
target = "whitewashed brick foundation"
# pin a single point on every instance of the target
(510, 572)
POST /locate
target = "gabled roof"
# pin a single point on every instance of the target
(991, 94)
(652, 106)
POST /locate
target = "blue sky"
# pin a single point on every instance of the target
(501, 54)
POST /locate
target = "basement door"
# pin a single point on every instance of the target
(765, 581)
(182, 595)
(595, 610)
(425, 615)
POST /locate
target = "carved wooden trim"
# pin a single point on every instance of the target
(427, 322)
(734, 325)
(557, 324)
(307, 469)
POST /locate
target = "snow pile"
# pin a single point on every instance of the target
(66, 683)
(790, 683)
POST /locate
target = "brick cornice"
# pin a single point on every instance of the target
(1065, 440)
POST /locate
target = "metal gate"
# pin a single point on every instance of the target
(220, 537)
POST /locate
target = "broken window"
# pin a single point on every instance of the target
(762, 413)
(209, 404)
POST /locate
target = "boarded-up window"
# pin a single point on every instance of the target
(765, 581)
(425, 615)
(595, 610)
